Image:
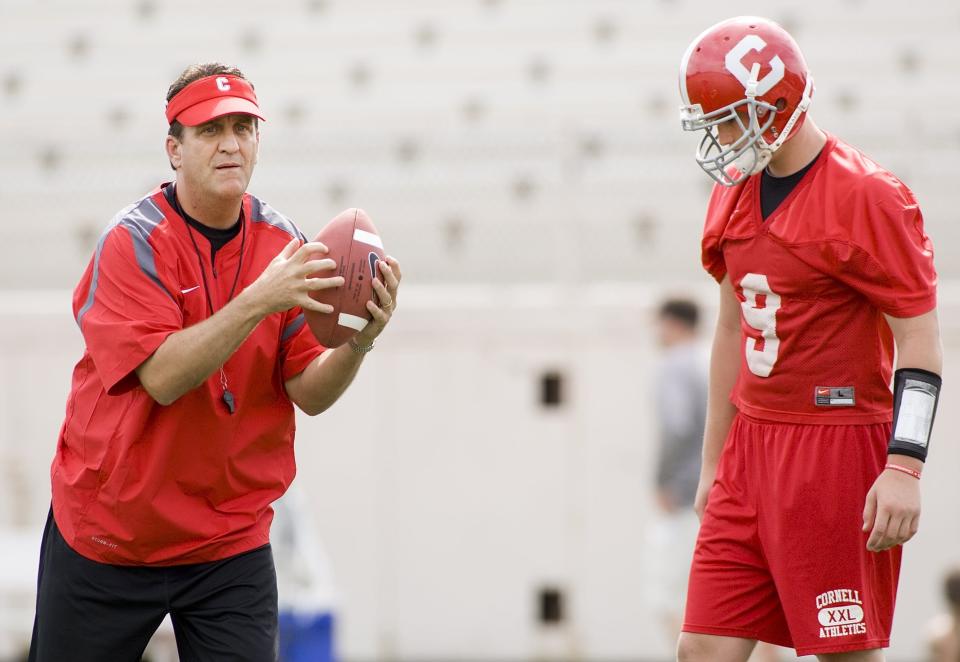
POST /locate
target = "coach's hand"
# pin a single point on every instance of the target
(285, 282)
(386, 289)
(892, 511)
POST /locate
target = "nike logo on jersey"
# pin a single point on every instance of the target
(835, 396)
(190, 289)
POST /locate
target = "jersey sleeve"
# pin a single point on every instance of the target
(722, 203)
(124, 310)
(712, 257)
(298, 345)
(889, 257)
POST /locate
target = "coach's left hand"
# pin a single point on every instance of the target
(892, 511)
(386, 289)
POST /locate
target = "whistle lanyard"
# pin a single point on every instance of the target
(227, 396)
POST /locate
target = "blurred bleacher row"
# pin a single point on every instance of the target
(491, 140)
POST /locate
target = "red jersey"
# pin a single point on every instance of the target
(135, 482)
(814, 280)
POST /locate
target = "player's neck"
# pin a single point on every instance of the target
(799, 151)
(212, 212)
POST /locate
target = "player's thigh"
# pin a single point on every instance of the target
(875, 655)
(92, 611)
(712, 648)
(731, 590)
(227, 610)
(836, 595)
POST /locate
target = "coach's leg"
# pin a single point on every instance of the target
(227, 610)
(712, 648)
(875, 655)
(89, 611)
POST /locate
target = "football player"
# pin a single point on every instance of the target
(810, 481)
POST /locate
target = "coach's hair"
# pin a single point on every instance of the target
(196, 72)
(682, 310)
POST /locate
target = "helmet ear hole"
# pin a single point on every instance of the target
(781, 104)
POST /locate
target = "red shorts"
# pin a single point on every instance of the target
(780, 556)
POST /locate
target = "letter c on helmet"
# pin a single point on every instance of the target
(734, 64)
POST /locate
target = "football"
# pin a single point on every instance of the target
(355, 246)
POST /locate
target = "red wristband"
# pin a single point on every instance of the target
(906, 470)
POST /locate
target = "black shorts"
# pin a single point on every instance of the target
(90, 611)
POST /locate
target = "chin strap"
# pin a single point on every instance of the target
(800, 110)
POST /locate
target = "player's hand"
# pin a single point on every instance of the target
(285, 283)
(707, 477)
(385, 288)
(892, 511)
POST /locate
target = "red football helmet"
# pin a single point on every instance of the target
(749, 70)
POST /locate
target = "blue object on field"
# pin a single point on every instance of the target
(306, 637)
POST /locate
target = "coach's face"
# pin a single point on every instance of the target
(216, 158)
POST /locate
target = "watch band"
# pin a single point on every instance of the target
(357, 348)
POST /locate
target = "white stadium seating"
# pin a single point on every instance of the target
(524, 160)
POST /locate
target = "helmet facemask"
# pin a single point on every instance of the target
(731, 164)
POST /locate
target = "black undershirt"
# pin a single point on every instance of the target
(218, 238)
(774, 190)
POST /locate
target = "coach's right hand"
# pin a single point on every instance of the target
(285, 283)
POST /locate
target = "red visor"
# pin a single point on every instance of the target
(211, 97)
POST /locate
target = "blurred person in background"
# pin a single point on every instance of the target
(944, 631)
(179, 426)
(811, 470)
(679, 394)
